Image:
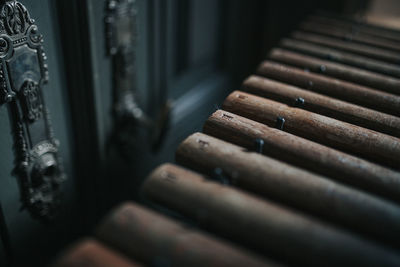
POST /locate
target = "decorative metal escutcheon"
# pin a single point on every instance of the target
(121, 34)
(23, 72)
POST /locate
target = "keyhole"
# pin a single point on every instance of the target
(40, 176)
(50, 171)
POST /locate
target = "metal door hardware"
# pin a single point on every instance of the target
(121, 33)
(23, 72)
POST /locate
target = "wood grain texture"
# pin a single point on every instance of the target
(305, 154)
(361, 49)
(92, 253)
(350, 36)
(346, 91)
(341, 57)
(260, 224)
(344, 136)
(347, 73)
(292, 186)
(324, 105)
(358, 26)
(156, 240)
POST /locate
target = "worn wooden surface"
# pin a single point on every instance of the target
(357, 26)
(292, 186)
(350, 92)
(350, 36)
(260, 224)
(305, 154)
(92, 253)
(156, 240)
(360, 49)
(324, 105)
(344, 136)
(358, 76)
(341, 57)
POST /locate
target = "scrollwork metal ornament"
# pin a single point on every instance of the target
(129, 118)
(120, 44)
(23, 72)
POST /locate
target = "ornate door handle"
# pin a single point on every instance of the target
(121, 33)
(23, 72)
